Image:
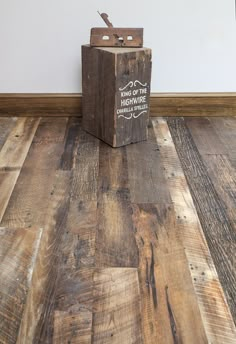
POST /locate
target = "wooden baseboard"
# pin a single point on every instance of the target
(170, 104)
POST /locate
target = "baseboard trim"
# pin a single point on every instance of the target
(162, 104)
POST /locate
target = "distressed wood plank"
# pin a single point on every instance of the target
(12, 157)
(146, 178)
(226, 130)
(216, 317)
(170, 310)
(6, 125)
(115, 242)
(37, 322)
(18, 251)
(72, 327)
(25, 209)
(116, 306)
(218, 229)
(205, 136)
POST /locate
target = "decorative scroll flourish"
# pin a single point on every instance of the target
(132, 115)
(132, 84)
(139, 83)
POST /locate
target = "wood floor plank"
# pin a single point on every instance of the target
(18, 251)
(206, 138)
(36, 325)
(12, 157)
(72, 327)
(216, 317)
(170, 310)
(35, 186)
(147, 179)
(115, 241)
(6, 125)
(116, 306)
(218, 228)
(68, 245)
(15, 149)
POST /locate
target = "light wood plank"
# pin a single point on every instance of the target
(170, 310)
(216, 317)
(116, 307)
(12, 157)
(18, 251)
(6, 125)
(72, 327)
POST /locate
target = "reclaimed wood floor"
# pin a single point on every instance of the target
(129, 245)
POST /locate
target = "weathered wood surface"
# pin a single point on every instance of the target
(116, 37)
(12, 157)
(105, 246)
(116, 93)
(211, 179)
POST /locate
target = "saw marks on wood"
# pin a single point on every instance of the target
(102, 245)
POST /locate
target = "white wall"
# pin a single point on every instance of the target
(193, 41)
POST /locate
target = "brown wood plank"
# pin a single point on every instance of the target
(25, 209)
(72, 327)
(226, 130)
(205, 136)
(69, 239)
(6, 125)
(214, 310)
(116, 306)
(146, 178)
(115, 242)
(12, 157)
(37, 321)
(170, 310)
(18, 251)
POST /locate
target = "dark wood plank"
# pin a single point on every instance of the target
(18, 251)
(146, 178)
(115, 242)
(218, 229)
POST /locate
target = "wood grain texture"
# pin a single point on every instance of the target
(115, 244)
(170, 309)
(12, 157)
(218, 229)
(102, 245)
(215, 314)
(161, 104)
(116, 307)
(18, 251)
(6, 125)
(25, 210)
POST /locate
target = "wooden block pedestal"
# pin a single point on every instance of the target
(116, 93)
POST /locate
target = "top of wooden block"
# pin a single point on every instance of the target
(118, 50)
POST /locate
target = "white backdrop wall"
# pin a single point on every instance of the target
(193, 42)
